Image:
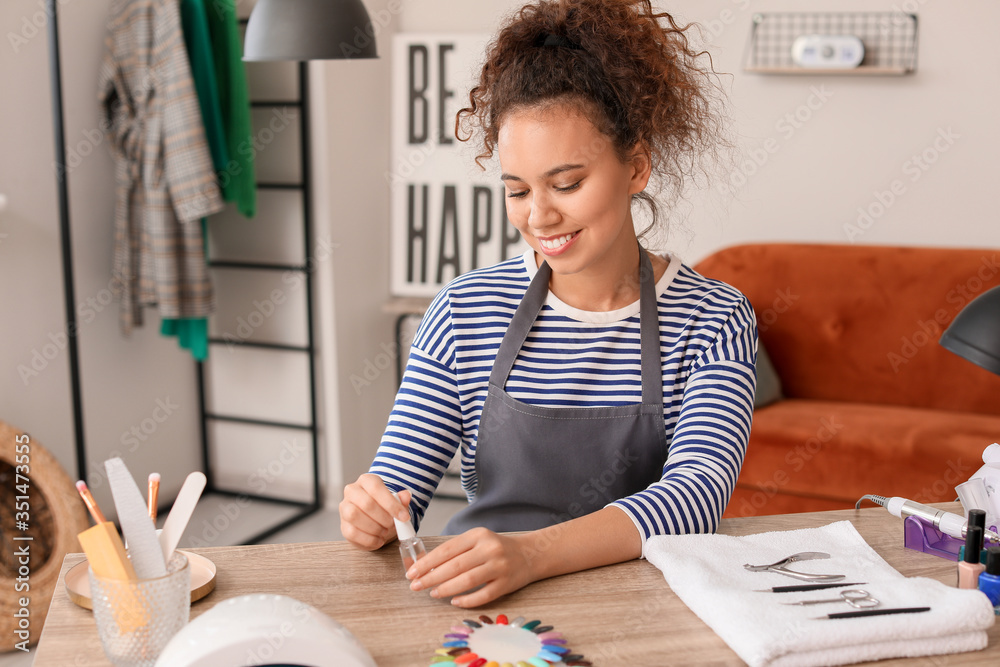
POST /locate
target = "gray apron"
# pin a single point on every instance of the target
(541, 466)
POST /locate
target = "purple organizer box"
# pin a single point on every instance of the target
(921, 535)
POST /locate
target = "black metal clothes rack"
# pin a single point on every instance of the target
(313, 504)
(66, 238)
(305, 508)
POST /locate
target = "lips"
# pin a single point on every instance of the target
(554, 244)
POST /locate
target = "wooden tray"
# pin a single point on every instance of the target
(202, 580)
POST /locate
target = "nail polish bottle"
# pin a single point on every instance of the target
(411, 547)
(970, 568)
(977, 518)
(989, 581)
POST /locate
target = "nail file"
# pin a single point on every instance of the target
(106, 555)
(105, 552)
(139, 531)
(180, 513)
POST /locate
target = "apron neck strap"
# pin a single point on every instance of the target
(525, 315)
(649, 329)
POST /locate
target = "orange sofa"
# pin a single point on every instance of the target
(870, 402)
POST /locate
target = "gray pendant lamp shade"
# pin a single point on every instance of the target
(975, 332)
(309, 30)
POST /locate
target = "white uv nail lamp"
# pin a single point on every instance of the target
(264, 630)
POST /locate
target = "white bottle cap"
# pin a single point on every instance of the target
(404, 529)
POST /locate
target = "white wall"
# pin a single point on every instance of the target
(855, 144)
(30, 270)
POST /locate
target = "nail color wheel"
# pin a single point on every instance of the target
(505, 643)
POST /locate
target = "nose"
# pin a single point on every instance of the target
(543, 213)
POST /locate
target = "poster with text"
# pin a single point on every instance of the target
(448, 214)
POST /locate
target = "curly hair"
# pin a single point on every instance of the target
(630, 70)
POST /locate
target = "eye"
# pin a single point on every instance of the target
(568, 188)
(517, 195)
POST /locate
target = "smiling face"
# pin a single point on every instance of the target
(567, 191)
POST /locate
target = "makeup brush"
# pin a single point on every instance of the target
(154, 492)
(88, 500)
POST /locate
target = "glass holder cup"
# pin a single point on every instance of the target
(137, 618)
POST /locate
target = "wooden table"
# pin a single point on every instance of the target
(618, 615)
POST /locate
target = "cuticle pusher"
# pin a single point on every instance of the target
(872, 612)
(807, 587)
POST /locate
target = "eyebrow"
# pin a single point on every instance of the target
(549, 174)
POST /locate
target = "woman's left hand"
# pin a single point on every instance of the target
(478, 559)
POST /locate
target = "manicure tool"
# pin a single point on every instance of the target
(107, 558)
(779, 567)
(948, 523)
(855, 597)
(153, 495)
(140, 533)
(872, 612)
(180, 513)
(102, 544)
(807, 587)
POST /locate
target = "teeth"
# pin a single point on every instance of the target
(552, 244)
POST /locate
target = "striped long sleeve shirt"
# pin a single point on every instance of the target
(576, 358)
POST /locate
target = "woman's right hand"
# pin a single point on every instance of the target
(367, 510)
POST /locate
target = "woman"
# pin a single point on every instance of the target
(563, 377)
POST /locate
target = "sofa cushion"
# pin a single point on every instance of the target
(768, 384)
(861, 323)
(836, 452)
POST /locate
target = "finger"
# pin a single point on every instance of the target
(354, 516)
(448, 571)
(463, 582)
(405, 496)
(385, 499)
(361, 539)
(440, 555)
(468, 569)
(370, 495)
(486, 594)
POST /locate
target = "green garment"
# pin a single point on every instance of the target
(238, 179)
(199, 49)
(215, 49)
(192, 332)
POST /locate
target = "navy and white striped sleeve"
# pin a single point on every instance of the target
(425, 426)
(710, 437)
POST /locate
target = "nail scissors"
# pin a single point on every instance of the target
(780, 568)
(855, 597)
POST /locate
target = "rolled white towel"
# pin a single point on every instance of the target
(707, 573)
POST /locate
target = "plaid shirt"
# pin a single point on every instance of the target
(164, 173)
